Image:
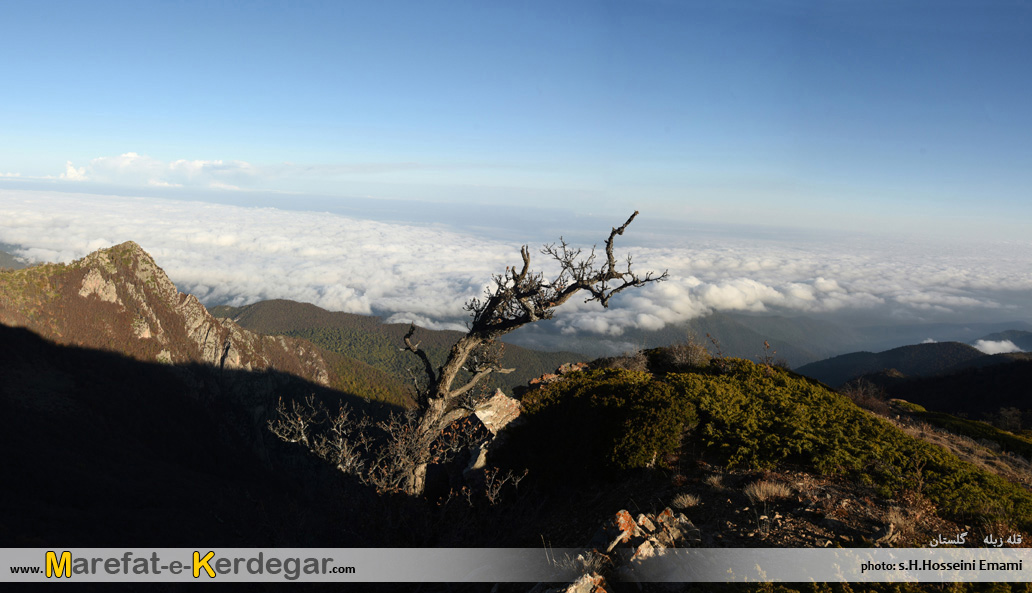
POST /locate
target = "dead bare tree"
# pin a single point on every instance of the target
(339, 439)
(519, 297)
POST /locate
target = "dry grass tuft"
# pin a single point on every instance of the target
(715, 481)
(765, 490)
(683, 501)
(588, 563)
(903, 521)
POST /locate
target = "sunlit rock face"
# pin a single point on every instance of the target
(119, 299)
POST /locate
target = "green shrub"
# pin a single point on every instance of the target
(601, 420)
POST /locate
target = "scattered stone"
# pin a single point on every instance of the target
(834, 524)
(645, 550)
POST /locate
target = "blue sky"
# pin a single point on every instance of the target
(902, 116)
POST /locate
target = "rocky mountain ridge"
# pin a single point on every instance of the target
(119, 299)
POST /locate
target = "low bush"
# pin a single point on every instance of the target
(594, 421)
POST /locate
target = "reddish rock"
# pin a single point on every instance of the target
(620, 529)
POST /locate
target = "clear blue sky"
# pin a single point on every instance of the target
(840, 114)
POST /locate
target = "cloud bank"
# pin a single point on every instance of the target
(997, 347)
(425, 273)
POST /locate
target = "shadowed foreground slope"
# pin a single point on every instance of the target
(103, 450)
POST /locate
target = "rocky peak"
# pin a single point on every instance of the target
(119, 299)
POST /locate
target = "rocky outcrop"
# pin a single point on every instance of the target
(626, 543)
(645, 535)
(564, 369)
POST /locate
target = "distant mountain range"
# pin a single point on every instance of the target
(948, 377)
(795, 340)
(976, 391)
(917, 360)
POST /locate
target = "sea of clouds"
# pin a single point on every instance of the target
(426, 272)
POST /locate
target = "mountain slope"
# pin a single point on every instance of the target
(975, 391)
(180, 450)
(119, 300)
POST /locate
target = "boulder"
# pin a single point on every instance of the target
(497, 411)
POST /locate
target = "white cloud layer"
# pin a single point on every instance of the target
(997, 347)
(425, 273)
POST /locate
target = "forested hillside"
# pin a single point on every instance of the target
(367, 339)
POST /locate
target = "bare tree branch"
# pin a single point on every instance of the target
(428, 367)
